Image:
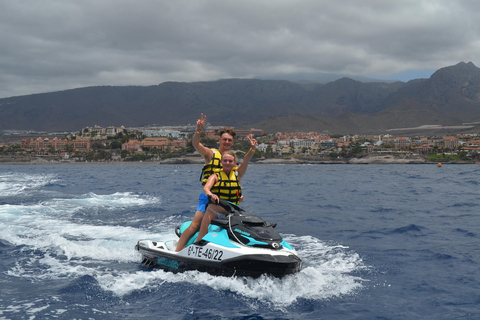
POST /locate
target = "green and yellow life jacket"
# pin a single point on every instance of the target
(227, 187)
(207, 170)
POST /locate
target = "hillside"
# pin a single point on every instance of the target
(450, 97)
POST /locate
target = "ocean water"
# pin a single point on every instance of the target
(378, 242)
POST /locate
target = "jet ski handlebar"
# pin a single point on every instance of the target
(229, 206)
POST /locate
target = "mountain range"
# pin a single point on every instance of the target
(445, 101)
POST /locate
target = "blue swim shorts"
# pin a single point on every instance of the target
(202, 202)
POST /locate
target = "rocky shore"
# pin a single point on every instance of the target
(390, 158)
(368, 159)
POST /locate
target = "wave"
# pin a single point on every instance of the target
(58, 207)
(50, 230)
(408, 229)
(83, 237)
(329, 271)
(53, 248)
(91, 200)
(15, 184)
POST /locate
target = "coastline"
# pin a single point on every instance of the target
(368, 159)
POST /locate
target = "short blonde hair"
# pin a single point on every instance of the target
(231, 153)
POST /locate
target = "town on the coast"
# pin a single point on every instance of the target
(172, 144)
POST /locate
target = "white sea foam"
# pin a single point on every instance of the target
(19, 183)
(75, 241)
(109, 201)
(68, 206)
(47, 228)
(327, 274)
(74, 250)
(67, 248)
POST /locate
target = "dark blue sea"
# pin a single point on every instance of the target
(377, 241)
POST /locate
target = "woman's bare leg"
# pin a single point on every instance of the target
(190, 231)
(209, 215)
(207, 218)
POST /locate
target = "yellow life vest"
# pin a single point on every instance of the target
(208, 169)
(227, 187)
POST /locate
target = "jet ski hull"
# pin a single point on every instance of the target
(242, 244)
(218, 260)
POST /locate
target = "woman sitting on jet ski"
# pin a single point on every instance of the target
(224, 184)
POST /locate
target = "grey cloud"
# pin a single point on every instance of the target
(60, 44)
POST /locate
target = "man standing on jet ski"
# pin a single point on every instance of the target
(212, 161)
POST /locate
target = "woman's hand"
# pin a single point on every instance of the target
(214, 198)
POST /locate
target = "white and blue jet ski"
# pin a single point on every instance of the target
(241, 244)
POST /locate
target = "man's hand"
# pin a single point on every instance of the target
(201, 123)
(253, 142)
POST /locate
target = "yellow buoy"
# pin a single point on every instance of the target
(439, 165)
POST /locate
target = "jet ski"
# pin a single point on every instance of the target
(241, 244)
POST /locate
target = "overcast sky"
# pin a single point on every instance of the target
(53, 45)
